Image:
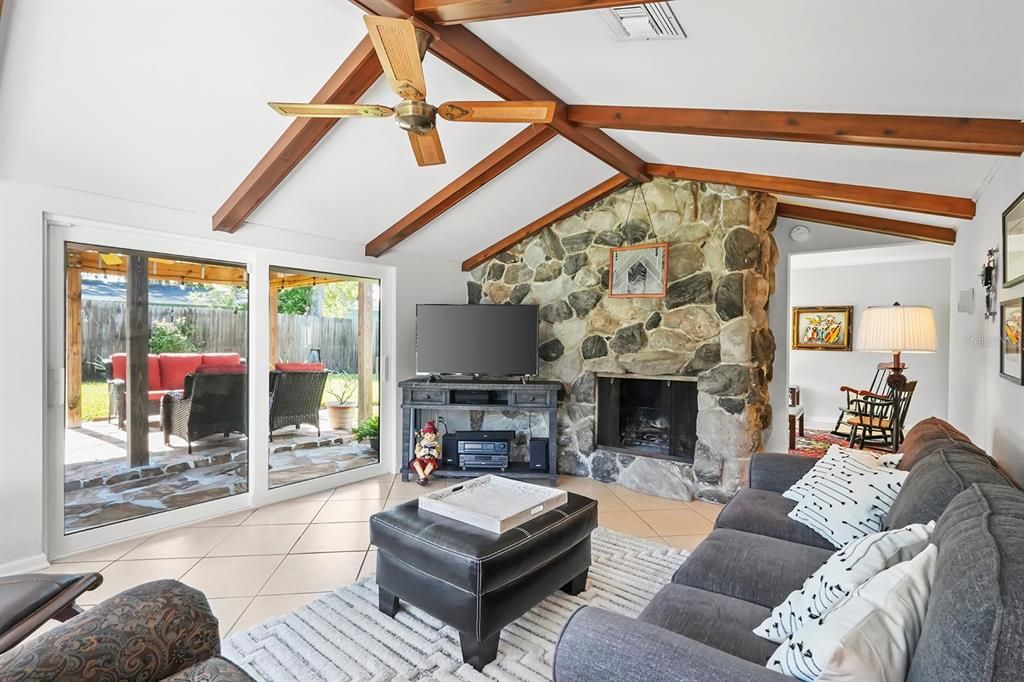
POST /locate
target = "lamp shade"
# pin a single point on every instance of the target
(896, 329)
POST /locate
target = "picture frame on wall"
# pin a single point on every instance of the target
(823, 328)
(1013, 243)
(638, 271)
(1011, 347)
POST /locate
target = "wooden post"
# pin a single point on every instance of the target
(364, 349)
(137, 372)
(73, 344)
(272, 314)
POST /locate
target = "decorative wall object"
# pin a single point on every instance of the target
(1013, 243)
(823, 328)
(638, 271)
(988, 283)
(712, 326)
(1010, 347)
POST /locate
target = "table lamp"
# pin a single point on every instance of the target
(896, 329)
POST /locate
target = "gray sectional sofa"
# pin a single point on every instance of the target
(699, 627)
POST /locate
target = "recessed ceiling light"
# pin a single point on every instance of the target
(649, 21)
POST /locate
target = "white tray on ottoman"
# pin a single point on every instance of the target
(493, 503)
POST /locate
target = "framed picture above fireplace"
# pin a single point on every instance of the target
(638, 271)
(823, 328)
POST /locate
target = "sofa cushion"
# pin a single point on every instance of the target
(974, 628)
(174, 367)
(755, 568)
(765, 513)
(299, 367)
(929, 435)
(714, 619)
(119, 366)
(221, 359)
(936, 480)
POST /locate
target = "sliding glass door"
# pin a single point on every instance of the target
(324, 343)
(156, 415)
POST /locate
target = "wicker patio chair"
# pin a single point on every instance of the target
(209, 404)
(295, 399)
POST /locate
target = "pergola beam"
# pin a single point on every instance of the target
(866, 223)
(493, 165)
(616, 182)
(449, 12)
(353, 78)
(73, 342)
(935, 133)
(901, 200)
(364, 350)
(137, 371)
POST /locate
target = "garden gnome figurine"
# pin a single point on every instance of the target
(428, 452)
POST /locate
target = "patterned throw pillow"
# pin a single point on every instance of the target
(849, 501)
(871, 634)
(845, 571)
(824, 466)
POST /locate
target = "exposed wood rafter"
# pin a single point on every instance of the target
(447, 12)
(352, 79)
(917, 202)
(493, 165)
(617, 181)
(936, 133)
(856, 221)
(462, 50)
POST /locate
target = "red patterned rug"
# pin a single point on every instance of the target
(816, 443)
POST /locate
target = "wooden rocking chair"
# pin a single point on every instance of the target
(878, 390)
(876, 424)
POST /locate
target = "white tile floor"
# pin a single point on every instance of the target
(255, 565)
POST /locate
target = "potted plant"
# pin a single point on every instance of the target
(369, 429)
(341, 412)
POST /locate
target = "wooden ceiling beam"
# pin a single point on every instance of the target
(352, 79)
(901, 200)
(460, 48)
(493, 165)
(857, 221)
(616, 182)
(449, 12)
(935, 133)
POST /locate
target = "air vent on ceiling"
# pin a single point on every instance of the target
(649, 21)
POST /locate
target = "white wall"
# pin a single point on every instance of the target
(822, 238)
(23, 341)
(819, 374)
(987, 407)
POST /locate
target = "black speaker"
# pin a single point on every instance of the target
(539, 454)
(450, 450)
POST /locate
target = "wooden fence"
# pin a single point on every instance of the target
(220, 331)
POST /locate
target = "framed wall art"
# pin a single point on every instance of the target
(1010, 348)
(638, 271)
(1013, 243)
(823, 328)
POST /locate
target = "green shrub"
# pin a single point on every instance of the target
(172, 337)
(369, 428)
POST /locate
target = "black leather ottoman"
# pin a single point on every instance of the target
(476, 581)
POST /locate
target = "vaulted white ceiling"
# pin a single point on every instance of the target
(164, 102)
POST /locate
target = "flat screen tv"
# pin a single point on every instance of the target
(476, 339)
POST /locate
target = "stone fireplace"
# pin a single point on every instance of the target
(705, 349)
(646, 416)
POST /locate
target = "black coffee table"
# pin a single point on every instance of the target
(475, 581)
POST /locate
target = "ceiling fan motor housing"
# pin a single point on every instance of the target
(416, 116)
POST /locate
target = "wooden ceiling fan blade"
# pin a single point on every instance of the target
(331, 110)
(498, 112)
(400, 50)
(427, 148)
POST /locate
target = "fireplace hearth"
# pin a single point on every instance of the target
(652, 417)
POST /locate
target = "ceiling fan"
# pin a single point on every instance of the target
(400, 46)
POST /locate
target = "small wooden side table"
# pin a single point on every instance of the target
(796, 424)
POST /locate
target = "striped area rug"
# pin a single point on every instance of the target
(342, 636)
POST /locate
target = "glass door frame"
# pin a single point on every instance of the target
(257, 261)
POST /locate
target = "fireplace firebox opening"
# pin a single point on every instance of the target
(652, 417)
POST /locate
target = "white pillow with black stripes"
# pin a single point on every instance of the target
(831, 459)
(846, 570)
(849, 501)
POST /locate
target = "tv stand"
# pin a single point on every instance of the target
(438, 394)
